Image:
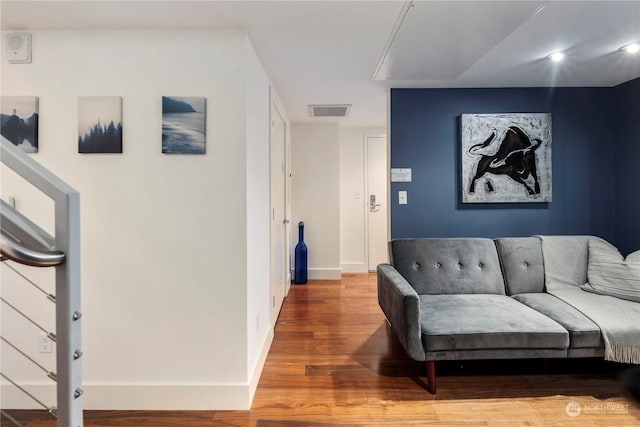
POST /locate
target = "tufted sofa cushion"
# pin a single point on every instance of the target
(448, 266)
(522, 264)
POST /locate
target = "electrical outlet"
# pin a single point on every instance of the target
(44, 343)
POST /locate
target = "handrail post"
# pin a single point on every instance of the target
(68, 357)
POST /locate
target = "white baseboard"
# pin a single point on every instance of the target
(12, 398)
(325, 273)
(156, 396)
(355, 267)
(257, 370)
(167, 396)
(139, 396)
(322, 273)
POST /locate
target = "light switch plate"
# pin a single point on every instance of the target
(402, 197)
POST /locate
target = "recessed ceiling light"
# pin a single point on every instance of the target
(556, 56)
(631, 48)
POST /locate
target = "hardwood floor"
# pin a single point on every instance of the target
(334, 362)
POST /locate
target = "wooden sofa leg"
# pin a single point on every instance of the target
(431, 376)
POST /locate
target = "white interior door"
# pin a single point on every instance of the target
(377, 203)
(279, 256)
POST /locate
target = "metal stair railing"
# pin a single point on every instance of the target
(24, 242)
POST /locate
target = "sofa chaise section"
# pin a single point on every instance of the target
(523, 269)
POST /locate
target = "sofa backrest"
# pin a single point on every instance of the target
(448, 266)
(565, 260)
(522, 264)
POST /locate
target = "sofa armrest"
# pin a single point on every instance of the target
(401, 305)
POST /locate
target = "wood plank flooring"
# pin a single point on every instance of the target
(335, 362)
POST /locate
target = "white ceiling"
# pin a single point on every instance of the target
(351, 52)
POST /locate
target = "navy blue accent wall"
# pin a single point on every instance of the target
(628, 166)
(425, 137)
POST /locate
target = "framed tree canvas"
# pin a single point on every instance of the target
(19, 121)
(183, 125)
(506, 158)
(99, 124)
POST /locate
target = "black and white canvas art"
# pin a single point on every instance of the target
(506, 158)
(19, 121)
(183, 125)
(99, 124)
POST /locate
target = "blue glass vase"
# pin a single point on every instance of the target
(300, 276)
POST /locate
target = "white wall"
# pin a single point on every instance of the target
(354, 198)
(258, 112)
(174, 249)
(315, 195)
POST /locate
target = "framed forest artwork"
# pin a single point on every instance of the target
(99, 124)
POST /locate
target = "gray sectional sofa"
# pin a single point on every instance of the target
(473, 298)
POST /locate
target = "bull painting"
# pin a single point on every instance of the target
(506, 158)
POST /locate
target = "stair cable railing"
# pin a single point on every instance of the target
(24, 242)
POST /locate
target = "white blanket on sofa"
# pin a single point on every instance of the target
(565, 260)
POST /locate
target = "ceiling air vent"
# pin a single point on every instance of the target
(330, 110)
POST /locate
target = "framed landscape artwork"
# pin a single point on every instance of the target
(99, 124)
(19, 121)
(506, 158)
(183, 125)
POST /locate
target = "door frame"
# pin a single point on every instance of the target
(276, 105)
(366, 190)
